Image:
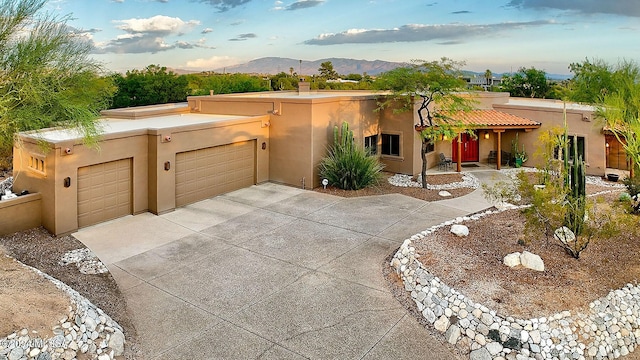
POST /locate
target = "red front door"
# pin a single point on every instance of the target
(470, 148)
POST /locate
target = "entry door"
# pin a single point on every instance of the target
(470, 148)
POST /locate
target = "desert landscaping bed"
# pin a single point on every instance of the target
(586, 308)
(384, 187)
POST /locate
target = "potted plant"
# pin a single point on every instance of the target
(520, 156)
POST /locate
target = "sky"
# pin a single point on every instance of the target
(499, 35)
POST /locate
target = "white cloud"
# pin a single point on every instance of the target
(158, 24)
(214, 62)
(449, 33)
(206, 31)
(149, 35)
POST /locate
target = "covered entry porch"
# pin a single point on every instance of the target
(486, 137)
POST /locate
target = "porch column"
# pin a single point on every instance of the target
(499, 147)
(459, 157)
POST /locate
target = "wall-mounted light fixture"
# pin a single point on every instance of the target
(264, 146)
(444, 137)
(486, 135)
(607, 145)
(167, 165)
(67, 182)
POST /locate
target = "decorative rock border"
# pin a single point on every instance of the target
(610, 329)
(85, 330)
(402, 180)
(6, 184)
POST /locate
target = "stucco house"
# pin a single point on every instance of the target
(157, 158)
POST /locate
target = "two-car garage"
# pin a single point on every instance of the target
(105, 191)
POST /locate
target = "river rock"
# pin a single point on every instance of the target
(460, 230)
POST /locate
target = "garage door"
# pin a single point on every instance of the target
(104, 192)
(204, 173)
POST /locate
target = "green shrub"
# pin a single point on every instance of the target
(348, 166)
(632, 184)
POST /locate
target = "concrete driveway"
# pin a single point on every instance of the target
(271, 272)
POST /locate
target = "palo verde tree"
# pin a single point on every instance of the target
(431, 89)
(46, 75)
(592, 80)
(620, 110)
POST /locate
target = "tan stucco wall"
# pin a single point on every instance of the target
(360, 116)
(162, 183)
(153, 187)
(401, 124)
(21, 213)
(579, 123)
(60, 204)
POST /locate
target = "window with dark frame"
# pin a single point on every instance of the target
(557, 154)
(390, 144)
(431, 146)
(371, 144)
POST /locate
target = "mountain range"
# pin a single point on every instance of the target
(275, 65)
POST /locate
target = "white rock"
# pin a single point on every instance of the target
(442, 324)
(565, 235)
(494, 348)
(531, 261)
(116, 342)
(444, 193)
(453, 334)
(512, 260)
(460, 230)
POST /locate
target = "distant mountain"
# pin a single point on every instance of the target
(274, 65)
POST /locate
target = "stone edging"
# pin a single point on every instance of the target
(609, 329)
(6, 184)
(85, 330)
(402, 180)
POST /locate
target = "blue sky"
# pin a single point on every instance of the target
(501, 35)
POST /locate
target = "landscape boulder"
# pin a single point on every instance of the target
(460, 230)
(565, 235)
(444, 193)
(512, 260)
(531, 261)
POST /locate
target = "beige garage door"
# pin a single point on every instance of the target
(204, 173)
(104, 192)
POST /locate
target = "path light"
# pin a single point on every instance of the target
(325, 182)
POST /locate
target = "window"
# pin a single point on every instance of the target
(371, 144)
(558, 151)
(391, 144)
(431, 146)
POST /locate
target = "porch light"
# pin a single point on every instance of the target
(444, 137)
(607, 145)
(486, 135)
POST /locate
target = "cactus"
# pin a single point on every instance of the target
(575, 181)
(343, 137)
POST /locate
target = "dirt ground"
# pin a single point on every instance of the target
(41, 250)
(27, 300)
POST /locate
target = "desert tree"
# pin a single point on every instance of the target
(527, 82)
(46, 75)
(619, 108)
(432, 89)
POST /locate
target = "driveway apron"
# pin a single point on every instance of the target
(271, 272)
